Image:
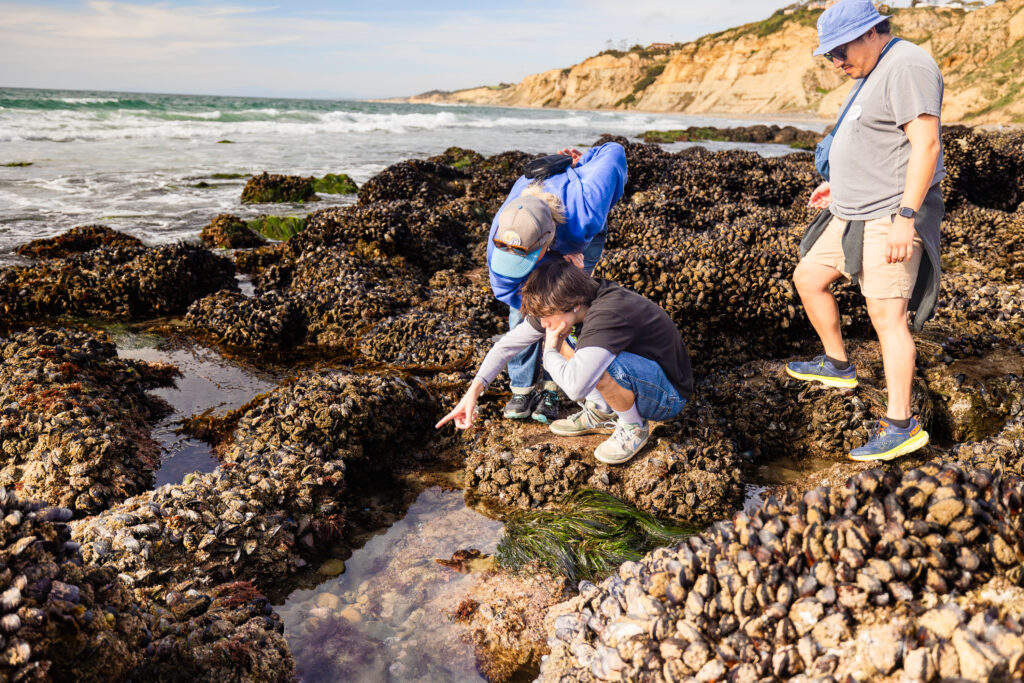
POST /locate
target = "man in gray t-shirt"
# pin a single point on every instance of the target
(884, 209)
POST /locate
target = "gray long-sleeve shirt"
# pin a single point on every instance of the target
(577, 376)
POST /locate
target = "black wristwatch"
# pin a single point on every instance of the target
(907, 212)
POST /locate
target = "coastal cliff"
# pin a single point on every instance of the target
(767, 68)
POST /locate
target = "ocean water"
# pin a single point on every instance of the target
(133, 161)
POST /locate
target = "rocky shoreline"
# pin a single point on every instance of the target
(390, 297)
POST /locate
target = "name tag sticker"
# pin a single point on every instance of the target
(855, 112)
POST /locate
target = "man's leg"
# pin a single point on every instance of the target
(887, 288)
(889, 318)
(812, 282)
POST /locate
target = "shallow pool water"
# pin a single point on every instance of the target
(386, 618)
(208, 382)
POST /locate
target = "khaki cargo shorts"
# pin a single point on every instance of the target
(878, 279)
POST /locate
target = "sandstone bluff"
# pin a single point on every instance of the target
(767, 68)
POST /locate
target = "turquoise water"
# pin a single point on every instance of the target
(135, 161)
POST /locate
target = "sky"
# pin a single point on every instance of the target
(343, 49)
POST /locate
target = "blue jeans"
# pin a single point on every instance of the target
(656, 398)
(523, 368)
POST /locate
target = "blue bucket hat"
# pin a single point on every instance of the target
(845, 21)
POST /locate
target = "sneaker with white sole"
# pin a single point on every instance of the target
(546, 409)
(590, 420)
(520, 406)
(626, 442)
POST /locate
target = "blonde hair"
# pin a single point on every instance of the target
(536, 189)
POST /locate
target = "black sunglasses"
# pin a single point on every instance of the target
(840, 51)
(837, 53)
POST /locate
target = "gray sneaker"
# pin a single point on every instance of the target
(587, 421)
(520, 406)
(626, 442)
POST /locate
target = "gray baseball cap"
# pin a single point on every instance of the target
(525, 226)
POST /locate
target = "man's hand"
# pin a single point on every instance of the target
(465, 412)
(821, 197)
(575, 259)
(553, 338)
(574, 153)
(899, 245)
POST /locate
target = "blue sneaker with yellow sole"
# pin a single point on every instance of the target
(891, 442)
(821, 370)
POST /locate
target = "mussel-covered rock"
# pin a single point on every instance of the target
(78, 239)
(267, 320)
(424, 339)
(798, 587)
(228, 632)
(688, 471)
(468, 299)
(125, 283)
(276, 497)
(73, 420)
(256, 261)
(773, 416)
(229, 232)
(983, 168)
(60, 619)
(266, 188)
(764, 134)
(410, 179)
(341, 294)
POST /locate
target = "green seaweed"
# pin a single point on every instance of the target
(281, 228)
(777, 21)
(335, 183)
(229, 176)
(18, 164)
(225, 142)
(591, 534)
(649, 77)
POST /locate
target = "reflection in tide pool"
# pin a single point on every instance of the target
(208, 381)
(385, 618)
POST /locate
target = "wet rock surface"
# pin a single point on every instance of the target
(123, 283)
(74, 419)
(270, 321)
(77, 240)
(689, 470)
(65, 619)
(61, 619)
(268, 188)
(275, 498)
(770, 134)
(854, 580)
(229, 232)
(505, 617)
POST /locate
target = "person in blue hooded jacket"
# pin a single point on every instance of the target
(567, 222)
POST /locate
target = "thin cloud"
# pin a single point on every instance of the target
(374, 50)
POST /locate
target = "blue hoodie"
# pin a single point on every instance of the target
(588, 192)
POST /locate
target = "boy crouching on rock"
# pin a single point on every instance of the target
(624, 357)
